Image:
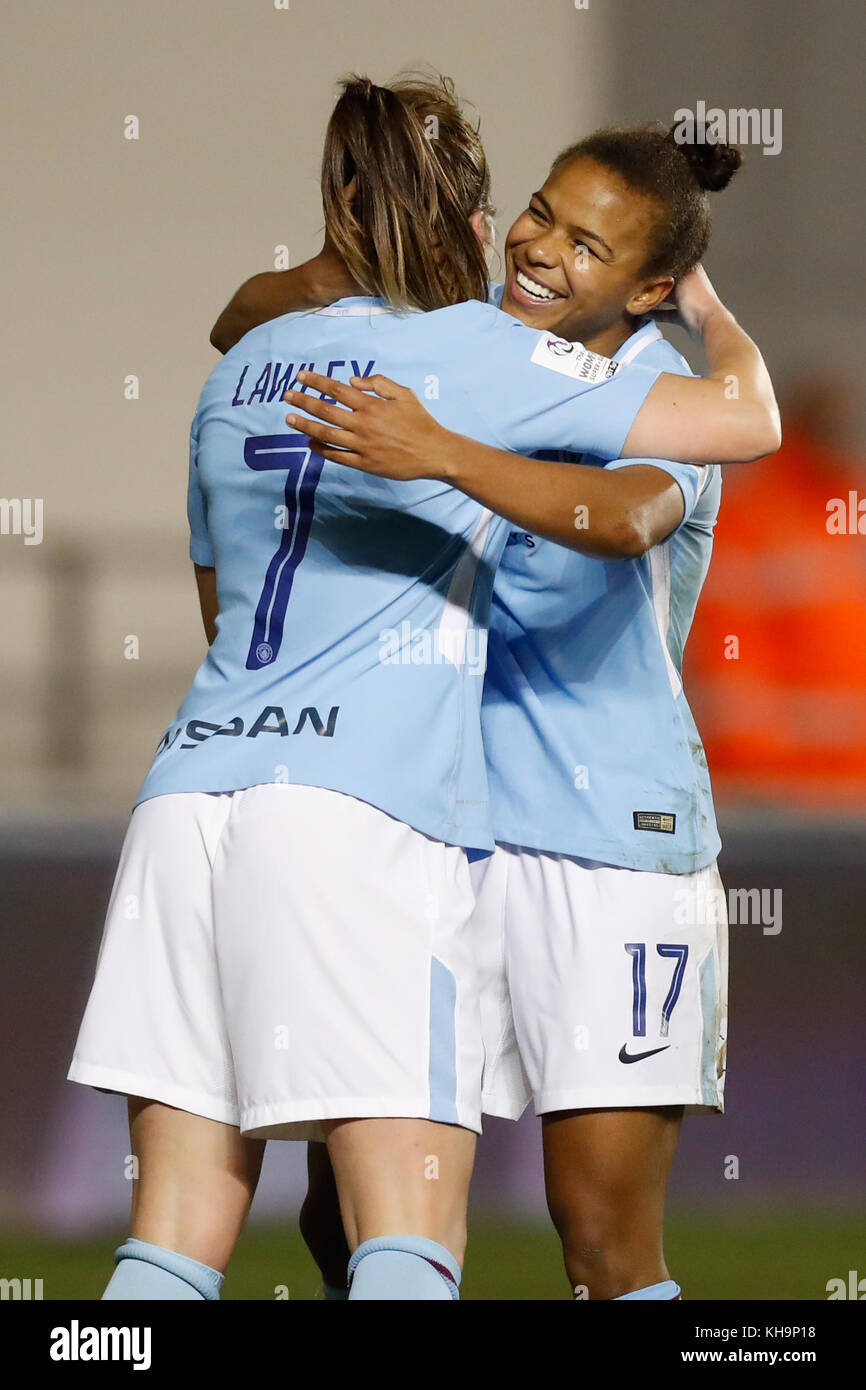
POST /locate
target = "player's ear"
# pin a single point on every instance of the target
(482, 226)
(650, 295)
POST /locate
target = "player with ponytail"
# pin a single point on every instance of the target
(406, 200)
(431, 184)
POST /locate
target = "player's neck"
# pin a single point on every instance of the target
(609, 340)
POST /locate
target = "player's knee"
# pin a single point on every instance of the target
(585, 1219)
(596, 1248)
(608, 1250)
(587, 1248)
(598, 1271)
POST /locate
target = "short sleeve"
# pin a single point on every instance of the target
(196, 507)
(553, 394)
(689, 476)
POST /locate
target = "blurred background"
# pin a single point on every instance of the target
(120, 253)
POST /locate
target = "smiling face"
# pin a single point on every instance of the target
(574, 258)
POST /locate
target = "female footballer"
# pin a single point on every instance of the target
(600, 922)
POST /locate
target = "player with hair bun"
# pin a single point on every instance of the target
(600, 918)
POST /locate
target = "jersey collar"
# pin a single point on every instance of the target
(356, 306)
(649, 332)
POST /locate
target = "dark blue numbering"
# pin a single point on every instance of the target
(303, 468)
(637, 951)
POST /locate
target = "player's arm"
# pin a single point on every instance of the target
(728, 416)
(613, 515)
(312, 285)
(617, 513)
(205, 578)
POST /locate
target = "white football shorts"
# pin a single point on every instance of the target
(602, 987)
(285, 954)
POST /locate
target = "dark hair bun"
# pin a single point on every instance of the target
(713, 164)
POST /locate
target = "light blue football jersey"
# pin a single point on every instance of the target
(353, 610)
(591, 746)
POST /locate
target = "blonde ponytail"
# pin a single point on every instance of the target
(402, 173)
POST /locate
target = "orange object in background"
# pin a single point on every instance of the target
(776, 662)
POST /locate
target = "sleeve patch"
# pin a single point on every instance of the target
(573, 359)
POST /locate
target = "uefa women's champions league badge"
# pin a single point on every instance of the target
(573, 359)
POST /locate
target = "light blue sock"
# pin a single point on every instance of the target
(667, 1290)
(403, 1268)
(332, 1294)
(146, 1272)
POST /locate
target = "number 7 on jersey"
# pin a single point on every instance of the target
(303, 468)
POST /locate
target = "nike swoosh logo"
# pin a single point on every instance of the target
(639, 1056)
